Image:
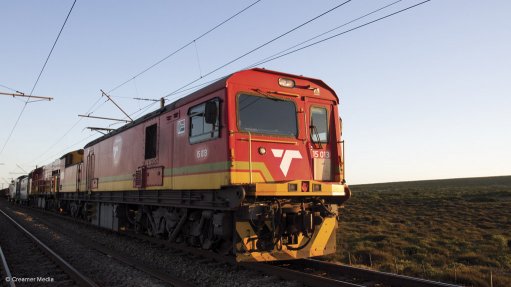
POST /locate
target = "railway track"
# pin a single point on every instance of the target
(150, 270)
(162, 278)
(340, 274)
(28, 260)
(309, 272)
(5, 268)
(312, 272)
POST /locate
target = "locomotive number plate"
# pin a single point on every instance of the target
(320, 154)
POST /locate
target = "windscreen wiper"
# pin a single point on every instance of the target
(316, 134)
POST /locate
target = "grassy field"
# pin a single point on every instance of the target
(455, 230)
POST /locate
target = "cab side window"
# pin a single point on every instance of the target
(204, 121)
(319, 125)
(151, 141)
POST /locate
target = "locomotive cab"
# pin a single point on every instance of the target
(285, 150)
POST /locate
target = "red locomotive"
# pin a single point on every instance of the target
(251, 165)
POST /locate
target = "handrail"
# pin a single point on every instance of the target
(250, 155)
(343, 160)
(269, 141)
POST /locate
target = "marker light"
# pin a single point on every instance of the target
(262, 151)
(287, 83)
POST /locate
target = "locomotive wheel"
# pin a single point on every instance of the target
(150, 227)
(171, 220)
(74, 209)
(206, 236)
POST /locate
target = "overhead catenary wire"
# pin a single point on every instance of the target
(53, 47)
(11, 89)
(66, 149)
(253, 50)
(37, 80)
(344, 32)
(198, 59)
(239, 57)
(183, 47)
(68, 131)
(94, 108)
(268, 59)
(310, 45)
(322, 34)
(266, 43)
(146, 107)
(141, 110)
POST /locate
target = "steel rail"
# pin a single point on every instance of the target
(366, 275)
(284, 273)
(383, 277)
(293, 275)
(174, 281)
(6, 268)
(79, 278)
(178, 247)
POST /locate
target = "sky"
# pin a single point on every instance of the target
(424, 94)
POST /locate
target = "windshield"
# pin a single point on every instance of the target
(319, 125)
(266, 115)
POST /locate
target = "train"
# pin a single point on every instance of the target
(18, 190)
(251, 165)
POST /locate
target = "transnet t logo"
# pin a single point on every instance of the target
(287, 156)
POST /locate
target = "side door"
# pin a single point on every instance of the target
(90, 181)
(321, 137)
(152, 170)
(200, 153)
(78, 179)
